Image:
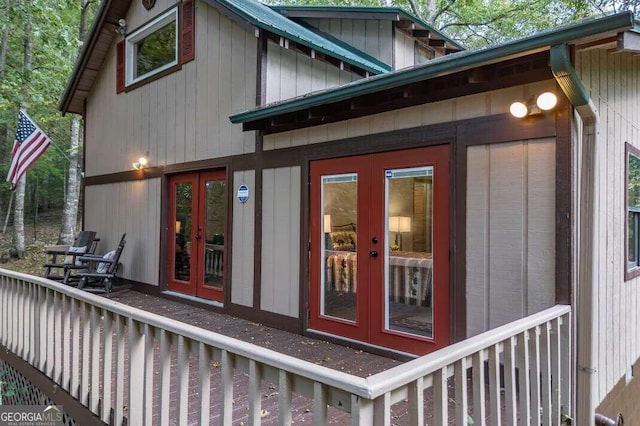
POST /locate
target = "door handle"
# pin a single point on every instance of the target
(373, 253)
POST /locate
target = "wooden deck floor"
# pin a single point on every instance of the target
(342, 358)
(334, 356)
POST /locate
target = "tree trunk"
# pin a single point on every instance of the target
(4, 42)
(72, 194)
(70, 210)
(18, 215)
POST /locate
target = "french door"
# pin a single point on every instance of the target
(196, 245)
(379, 230)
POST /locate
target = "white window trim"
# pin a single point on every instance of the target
(133, 38)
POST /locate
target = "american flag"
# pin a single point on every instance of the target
(30, 143)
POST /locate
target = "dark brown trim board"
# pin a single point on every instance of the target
(564, 201)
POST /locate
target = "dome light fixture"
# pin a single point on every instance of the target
(546, 101)
(535, 105)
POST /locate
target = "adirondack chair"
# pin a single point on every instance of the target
(57, 258)
(98, 273)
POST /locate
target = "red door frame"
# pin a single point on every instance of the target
(370, 319)
(196, 284)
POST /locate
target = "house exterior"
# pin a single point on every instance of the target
(351, 174)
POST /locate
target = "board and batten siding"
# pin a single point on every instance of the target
(291, 74)
(404, 51)
(132, 208)
(183, 116)
(614, 83)
(473, 106)
(371, 36)
(510, 247)
(243, 245)
(280, 280)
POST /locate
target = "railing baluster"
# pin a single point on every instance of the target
(319, 404)
(495, 402)
(565, 363)
(120, 336)
(94, 385)
(382, 410)
(478, 388)
(50, 333)
(545, 372)
(227, 364)
(416, 402)
(441, 397)
(85, 325)
(75, 348)
(136, 373)
(13, 316)
(255, 392)
(57, 339)
(107, 369)
(165, 376)
(149, 351)
(284, 398)
(66, 342)
(460, 373)
(556, 347)
(21, 319)
(204, 360)
(510, 397)
(182, 403)
(523, 377)
(361, 411)
(534, 375)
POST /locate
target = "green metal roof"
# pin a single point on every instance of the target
(445, 65)
(371, 10)
(268, 19)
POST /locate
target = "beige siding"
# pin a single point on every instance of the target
(404, 51)
(614, 83)
(132, 208)
(182, 116)
(496, 102)
(291, 74)
(280, 291)
(373, 37)
(510, 232)
(243, 241)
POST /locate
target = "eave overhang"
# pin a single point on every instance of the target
(93, 54)
(407, 87)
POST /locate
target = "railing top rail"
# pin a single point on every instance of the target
(347, 382)
(370, 387)
(395, 377)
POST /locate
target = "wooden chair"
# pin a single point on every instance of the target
(57, 258)
(98, 273)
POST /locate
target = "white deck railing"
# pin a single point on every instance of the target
(124, 362)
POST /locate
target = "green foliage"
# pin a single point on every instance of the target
(54, 36)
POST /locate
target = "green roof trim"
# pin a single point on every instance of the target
(368, 9)
(444, 65)
(268, 19)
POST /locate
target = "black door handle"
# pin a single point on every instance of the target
(373, 253)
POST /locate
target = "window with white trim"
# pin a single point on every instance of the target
(633, 212)
(152, 48)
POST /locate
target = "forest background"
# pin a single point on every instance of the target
(41, 39)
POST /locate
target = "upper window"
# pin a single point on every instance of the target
(633, 212)
(153, 48)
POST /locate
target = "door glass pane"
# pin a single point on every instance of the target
(339, 226)
(408, 254)
(214, 232)
(184, 212)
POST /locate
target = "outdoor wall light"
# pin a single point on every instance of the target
(121, 29)
(544, 102)
(141, 163)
